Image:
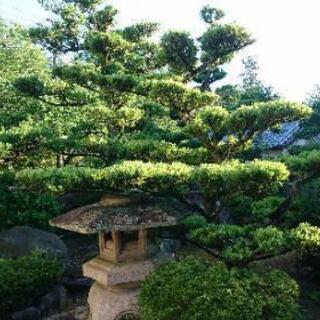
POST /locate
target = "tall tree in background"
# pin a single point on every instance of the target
(251, 90)
(19, 57)
(311, 127)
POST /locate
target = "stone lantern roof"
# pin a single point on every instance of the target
(118, 212)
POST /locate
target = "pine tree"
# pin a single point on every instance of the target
(116, 111)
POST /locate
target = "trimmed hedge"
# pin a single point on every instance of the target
(257, 178)
(239, 245)
(197, 290)
(25, 279)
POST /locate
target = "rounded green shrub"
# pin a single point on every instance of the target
(20, 207)
(25, 279)
(197, 290)
(193, 222)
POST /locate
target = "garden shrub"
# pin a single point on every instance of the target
(305, 164)
(305, 206)
(25, 279)
(193, 222)
(20, 207)
(240, 245)
(195, 289)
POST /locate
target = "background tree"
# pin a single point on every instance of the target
(310, 127)
(251, 90)
(18, 57)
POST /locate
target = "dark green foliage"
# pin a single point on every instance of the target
(194, 289)
(233, 97)
(104, 19)
(176, 96)
(304, 164)
(179, 51)
(296, 149)
(230, 96)
(19, 207)
(22, 207)
(264, 115)
(30, 86)
(66, 32)
(306, 204)
(25, 279)
(193, 222)
(257, 94)
(148, 177)
(308, 237)
(121, 96)
(91, 111)
(202, 61)
(224, 132)
(262, 209)
(211, 15)
(310, 127)
(233, 178)
(139, 31)
(240, 245)
(220, 42)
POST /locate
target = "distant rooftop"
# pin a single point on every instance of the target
(281, 138)
(316, 139)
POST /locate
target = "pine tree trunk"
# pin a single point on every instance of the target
(60, 161)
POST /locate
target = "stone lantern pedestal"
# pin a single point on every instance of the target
(109, 304)
(114, 293)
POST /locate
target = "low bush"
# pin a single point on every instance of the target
(194, 289)
(25, 279)
(240, 245)
(305, 206)
(20, 207)
(193, 222)
(305, 164)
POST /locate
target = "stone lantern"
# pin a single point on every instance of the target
(128, 251)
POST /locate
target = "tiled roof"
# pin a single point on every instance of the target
(277, 139)
(316, 139)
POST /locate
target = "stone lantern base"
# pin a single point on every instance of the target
(115, 291)
(108, 304)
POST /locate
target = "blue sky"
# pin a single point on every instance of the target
(287, 32)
